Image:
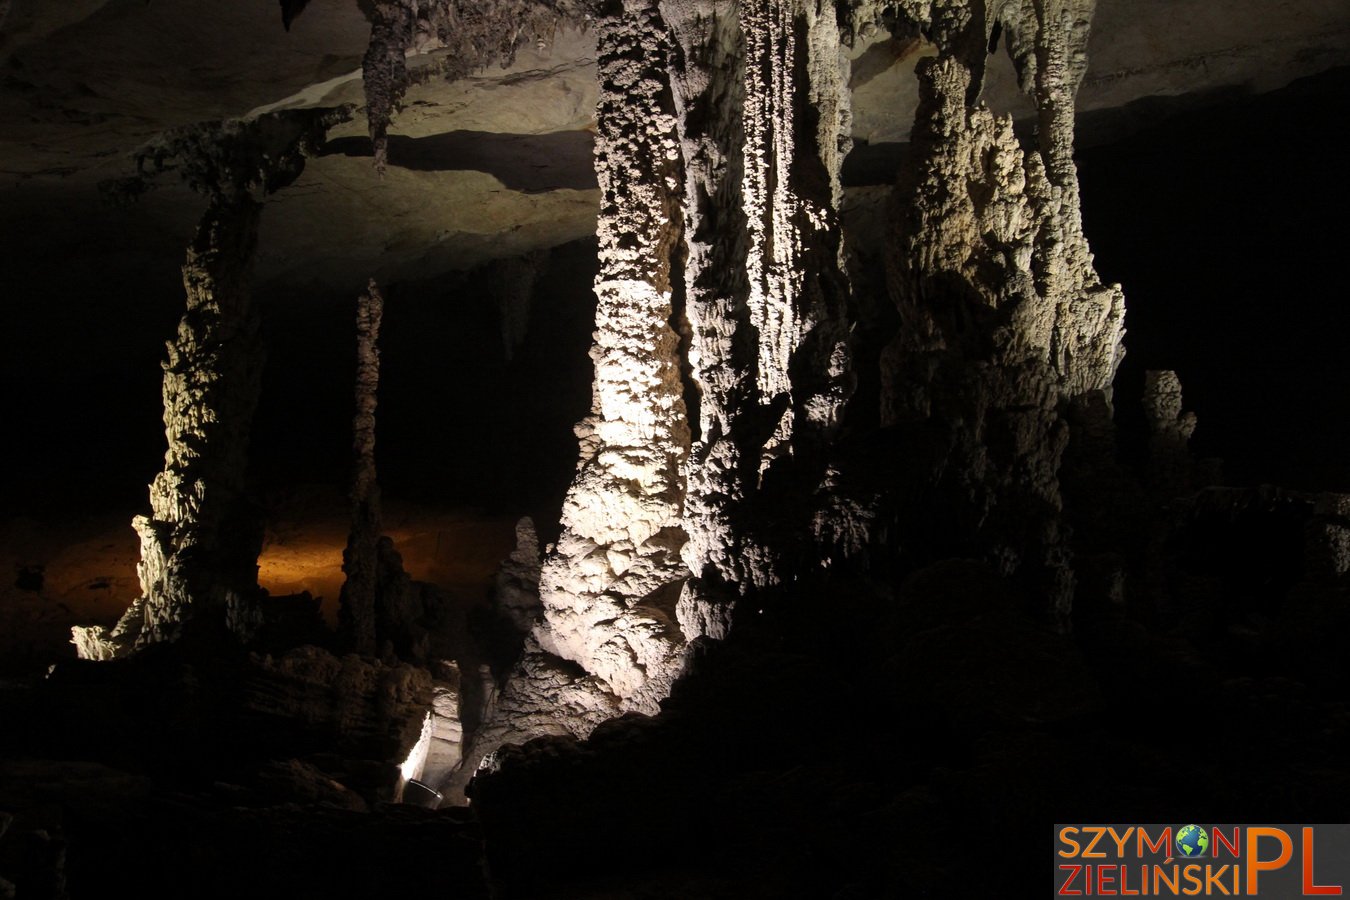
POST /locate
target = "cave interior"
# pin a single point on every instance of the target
(664, 448)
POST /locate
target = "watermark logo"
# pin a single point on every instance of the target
(1191, 860)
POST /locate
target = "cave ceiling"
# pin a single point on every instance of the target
(496, 164)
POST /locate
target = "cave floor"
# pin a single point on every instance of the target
(76, 568)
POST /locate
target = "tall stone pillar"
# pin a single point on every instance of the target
(360, 559)
(200, 543)
(609, 590)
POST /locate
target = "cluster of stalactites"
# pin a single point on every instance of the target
(1015, 235)
(473, 34)
(764, 121)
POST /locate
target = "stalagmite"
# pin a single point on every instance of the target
(609, 590)
(606, 640)
(200, 544)
(1004, 323)
(1170, 467)
(360, 559)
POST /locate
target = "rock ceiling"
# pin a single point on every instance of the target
(499, 163)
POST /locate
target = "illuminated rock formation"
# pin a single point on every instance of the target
(1004, 322)
(761, 91)
(608, 591)
(200, 543)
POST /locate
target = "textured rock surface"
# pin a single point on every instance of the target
(200, 543)
(516, 587)
(607, 603)
(1003, 320)
(360, 560)
(764, 125)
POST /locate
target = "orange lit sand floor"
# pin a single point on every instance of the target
(88, 565)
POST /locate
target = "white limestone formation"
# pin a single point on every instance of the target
(609, 589)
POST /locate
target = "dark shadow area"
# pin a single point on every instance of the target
(1225, 227)
(868, 164)
(457, 422)
(531, 163)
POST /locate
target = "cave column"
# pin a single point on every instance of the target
(360, 559)
(200, 543)
(706, 69)
(1006, 328)
(609, 590)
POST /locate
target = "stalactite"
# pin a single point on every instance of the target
(360, 559)
(761, 90)
(291, 10)
(473, 34)
(200, 543)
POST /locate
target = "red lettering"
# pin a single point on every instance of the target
(1106, 880)
(1234, 846)
(1073, 873)
(1163, 844)
(1308, 886)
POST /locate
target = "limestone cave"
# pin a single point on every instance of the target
(665, 448)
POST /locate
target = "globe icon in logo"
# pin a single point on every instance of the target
(1192, 840)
